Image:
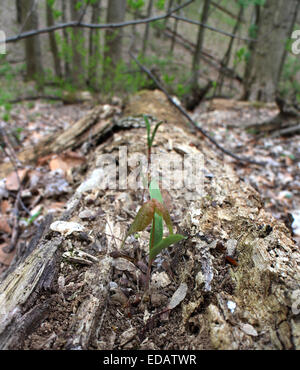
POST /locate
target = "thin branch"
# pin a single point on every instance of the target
(18, 201)
(226, 11)
(212, 28)
(73, 24)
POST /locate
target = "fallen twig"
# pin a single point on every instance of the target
(287, 131)
(18, 202)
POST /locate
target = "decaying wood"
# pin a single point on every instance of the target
(251, 305)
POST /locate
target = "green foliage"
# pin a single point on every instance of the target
(31, 219)
(144, 217)
(150, 137)
(289, 86)
(252, 31)
(78, 5)
(168, 79)
(160, 4)
(7, 87)
(136, 4)
(17, 133)
(158, 221)
(181, 89)
(241, 55)
(247, 3)
(56, 13)
(164, 243)
(122, 80)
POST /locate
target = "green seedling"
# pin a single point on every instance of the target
(31, 219)
(150, 138)
(154, 212)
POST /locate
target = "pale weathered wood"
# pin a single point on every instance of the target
(264, 284)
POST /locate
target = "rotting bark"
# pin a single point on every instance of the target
(226, 215)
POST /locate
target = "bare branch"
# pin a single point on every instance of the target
(211, 28)
(77, 23)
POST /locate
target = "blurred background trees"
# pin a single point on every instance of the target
(230, 48)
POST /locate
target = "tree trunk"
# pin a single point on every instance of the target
(226, 58)
(94, 48)
(267, 57)
(170, 5)
(292, 24)
(174, 31)
(113, 38)
(66, 45)
(34, 70)
(18, 11)
(199, 45)
(78, 51)
(147, 28)
(251, 46)
(52, 41)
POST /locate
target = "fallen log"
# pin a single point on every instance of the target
(238, 265)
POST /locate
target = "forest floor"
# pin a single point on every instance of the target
(49, 184)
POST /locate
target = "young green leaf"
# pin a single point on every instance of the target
(146, 214)
(158, 230)
(154, 132)
(164, 243)
(143, 218)
(154, 191)
(148, 130)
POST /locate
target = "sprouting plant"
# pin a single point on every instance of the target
(150, 138)
(31, 219)
(154, 211)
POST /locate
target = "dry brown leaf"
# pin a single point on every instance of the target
(66, 161)
(5, 206)
(12, 182)
(58, 163)
(43, 160)
(4, 226)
